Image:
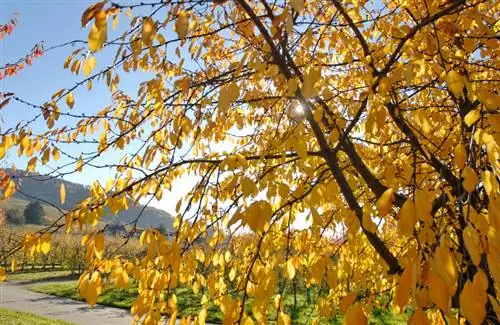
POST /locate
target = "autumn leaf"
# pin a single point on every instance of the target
(455, 82)
(297, 5)
(96, 39)
(473, 299)
(385, 202)
(438, 291)
(419, 318)
(355, 315)
(290, 270)
(62, 193)
(99, 245)
(148, 30)
(45, 244)
(89, 65)
(470, 179)
(70, 100)
(407, 218)
(90, 12)
(472, 117)
(347, 301)
(182, 25)
(460, 155)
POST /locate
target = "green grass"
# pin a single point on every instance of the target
(11, 317)
(189, 304)
(37, 276)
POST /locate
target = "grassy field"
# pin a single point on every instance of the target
(188, 304)
(11, 317)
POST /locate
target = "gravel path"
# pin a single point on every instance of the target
(18, 297)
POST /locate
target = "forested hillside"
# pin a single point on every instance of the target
(46, 189)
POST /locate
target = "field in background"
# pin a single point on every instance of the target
(66, 252)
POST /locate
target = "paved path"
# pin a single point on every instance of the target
(18, 297)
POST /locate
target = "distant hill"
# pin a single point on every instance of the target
(44, 189)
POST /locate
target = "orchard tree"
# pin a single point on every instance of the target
(374, 123)
(34, 214)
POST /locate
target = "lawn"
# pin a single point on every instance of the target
(188, 304)
(38, 276)
(11, 317)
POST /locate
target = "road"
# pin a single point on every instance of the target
(18, 297)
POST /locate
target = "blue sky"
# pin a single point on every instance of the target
(55, 22)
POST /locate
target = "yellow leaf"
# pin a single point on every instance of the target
(91, 11)
(495, 304)
(368, 223)
(55, 154)
(445, 266)
(297, 5)
(148, 30)
(283, 190)
(31, 164)
(2, 274)
(99, 245)
(347, 301)
(182, 25)
(121, 279)
(97, 37)
(403, 288)
(10, 189)
(62, 192)
(202, 316)
(79, 164)
(248, 187)
(91, 293)
(228, 94)
(290, 270)
(100, 19)
(460, 155)
(472, 117)
(143, 237)
(407, 218)
(473, 300)
(89, 65)
(257, 215)
(423, 205)
(355, 315)
(45, 243)
(419, 318)
(385, 201)
(311, 77)
(292, 86)
(455, 82)
(70, 100)
(472, 243)
(490, 183)
(3, 151)
(438, 292)
(284, 319)
(470, 179)
(173, 318)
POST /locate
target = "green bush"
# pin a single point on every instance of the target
(15, 216)
(34, 214)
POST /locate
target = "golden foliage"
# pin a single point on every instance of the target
(375, 126)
